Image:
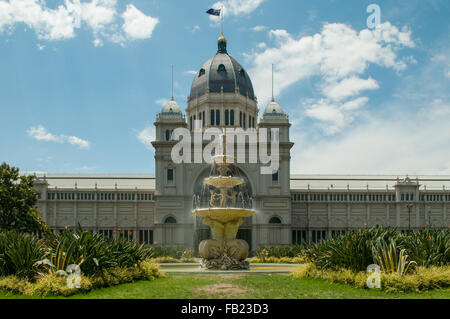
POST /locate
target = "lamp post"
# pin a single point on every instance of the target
(409, 216)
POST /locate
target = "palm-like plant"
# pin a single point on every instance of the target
(429, 247)
(390, 258)
(352, 250)
(19, 254)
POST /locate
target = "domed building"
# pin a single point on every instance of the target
(291, 209)
(221, 96)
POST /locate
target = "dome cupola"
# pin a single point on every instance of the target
(171, 107)
(222, 73)
(273, 108)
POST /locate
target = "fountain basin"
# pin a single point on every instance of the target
(223, 182)
(224, 215)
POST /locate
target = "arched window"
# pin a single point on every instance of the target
(212, 117)
(227, 117)
(217, 117)
(232, 117)
(167, 135)
(275, 177)
(201, 72)
(274, 220)
(274, 235)
(170, 174)
(170, 220)
(221, 68)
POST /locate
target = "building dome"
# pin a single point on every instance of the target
(222, 72)
(171, 107)
(273, 108)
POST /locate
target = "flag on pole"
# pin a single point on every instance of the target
(214, 12)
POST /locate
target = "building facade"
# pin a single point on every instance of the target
(291, 209)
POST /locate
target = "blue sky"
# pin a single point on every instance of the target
(81, 81)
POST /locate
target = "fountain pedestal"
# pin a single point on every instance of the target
(224, 251)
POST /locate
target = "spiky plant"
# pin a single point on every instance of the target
(390, 258)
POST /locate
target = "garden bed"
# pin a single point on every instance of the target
(422, 279)
(60, 285)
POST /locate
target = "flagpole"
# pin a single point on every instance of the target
(272, 84)
(221, 25)
(172, 82)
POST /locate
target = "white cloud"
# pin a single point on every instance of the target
(49, 24)
(83, 144)
(137, 25)
(262, 45)
(162, 101)
(334, 116)
(97, 43)
(402, 143)
(259, 28)
(338, 55)
(191, 72)
(443, 60)
(40, 133)
(195, 28)
(100, 16)
(235, 7)
(146, 136)
(348, 87)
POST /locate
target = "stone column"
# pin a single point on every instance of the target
(398, 207)
(444, 216)
(416, 207)
(75, 214)
(308, 218)
(55, 208)
(96, 213)
(388, 217)
(348, 216)
(135, 231)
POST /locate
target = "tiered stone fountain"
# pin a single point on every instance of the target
(224, 251)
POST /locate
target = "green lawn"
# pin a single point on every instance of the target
(175, 286)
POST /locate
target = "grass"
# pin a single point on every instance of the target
(181, 286)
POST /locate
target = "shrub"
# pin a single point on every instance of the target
(390, 259)
(419, 280)
(92, 252)
(283, 251)
(428, 247)
(276, 260)
(174, 252)
(352, 250)
(56, 285)
(19, 254)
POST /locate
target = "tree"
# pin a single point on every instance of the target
(18, 202)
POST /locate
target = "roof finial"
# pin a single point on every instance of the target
(222, 44)
(272, 85)
(172, 84)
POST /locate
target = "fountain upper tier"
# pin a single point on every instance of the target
(221, 182)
